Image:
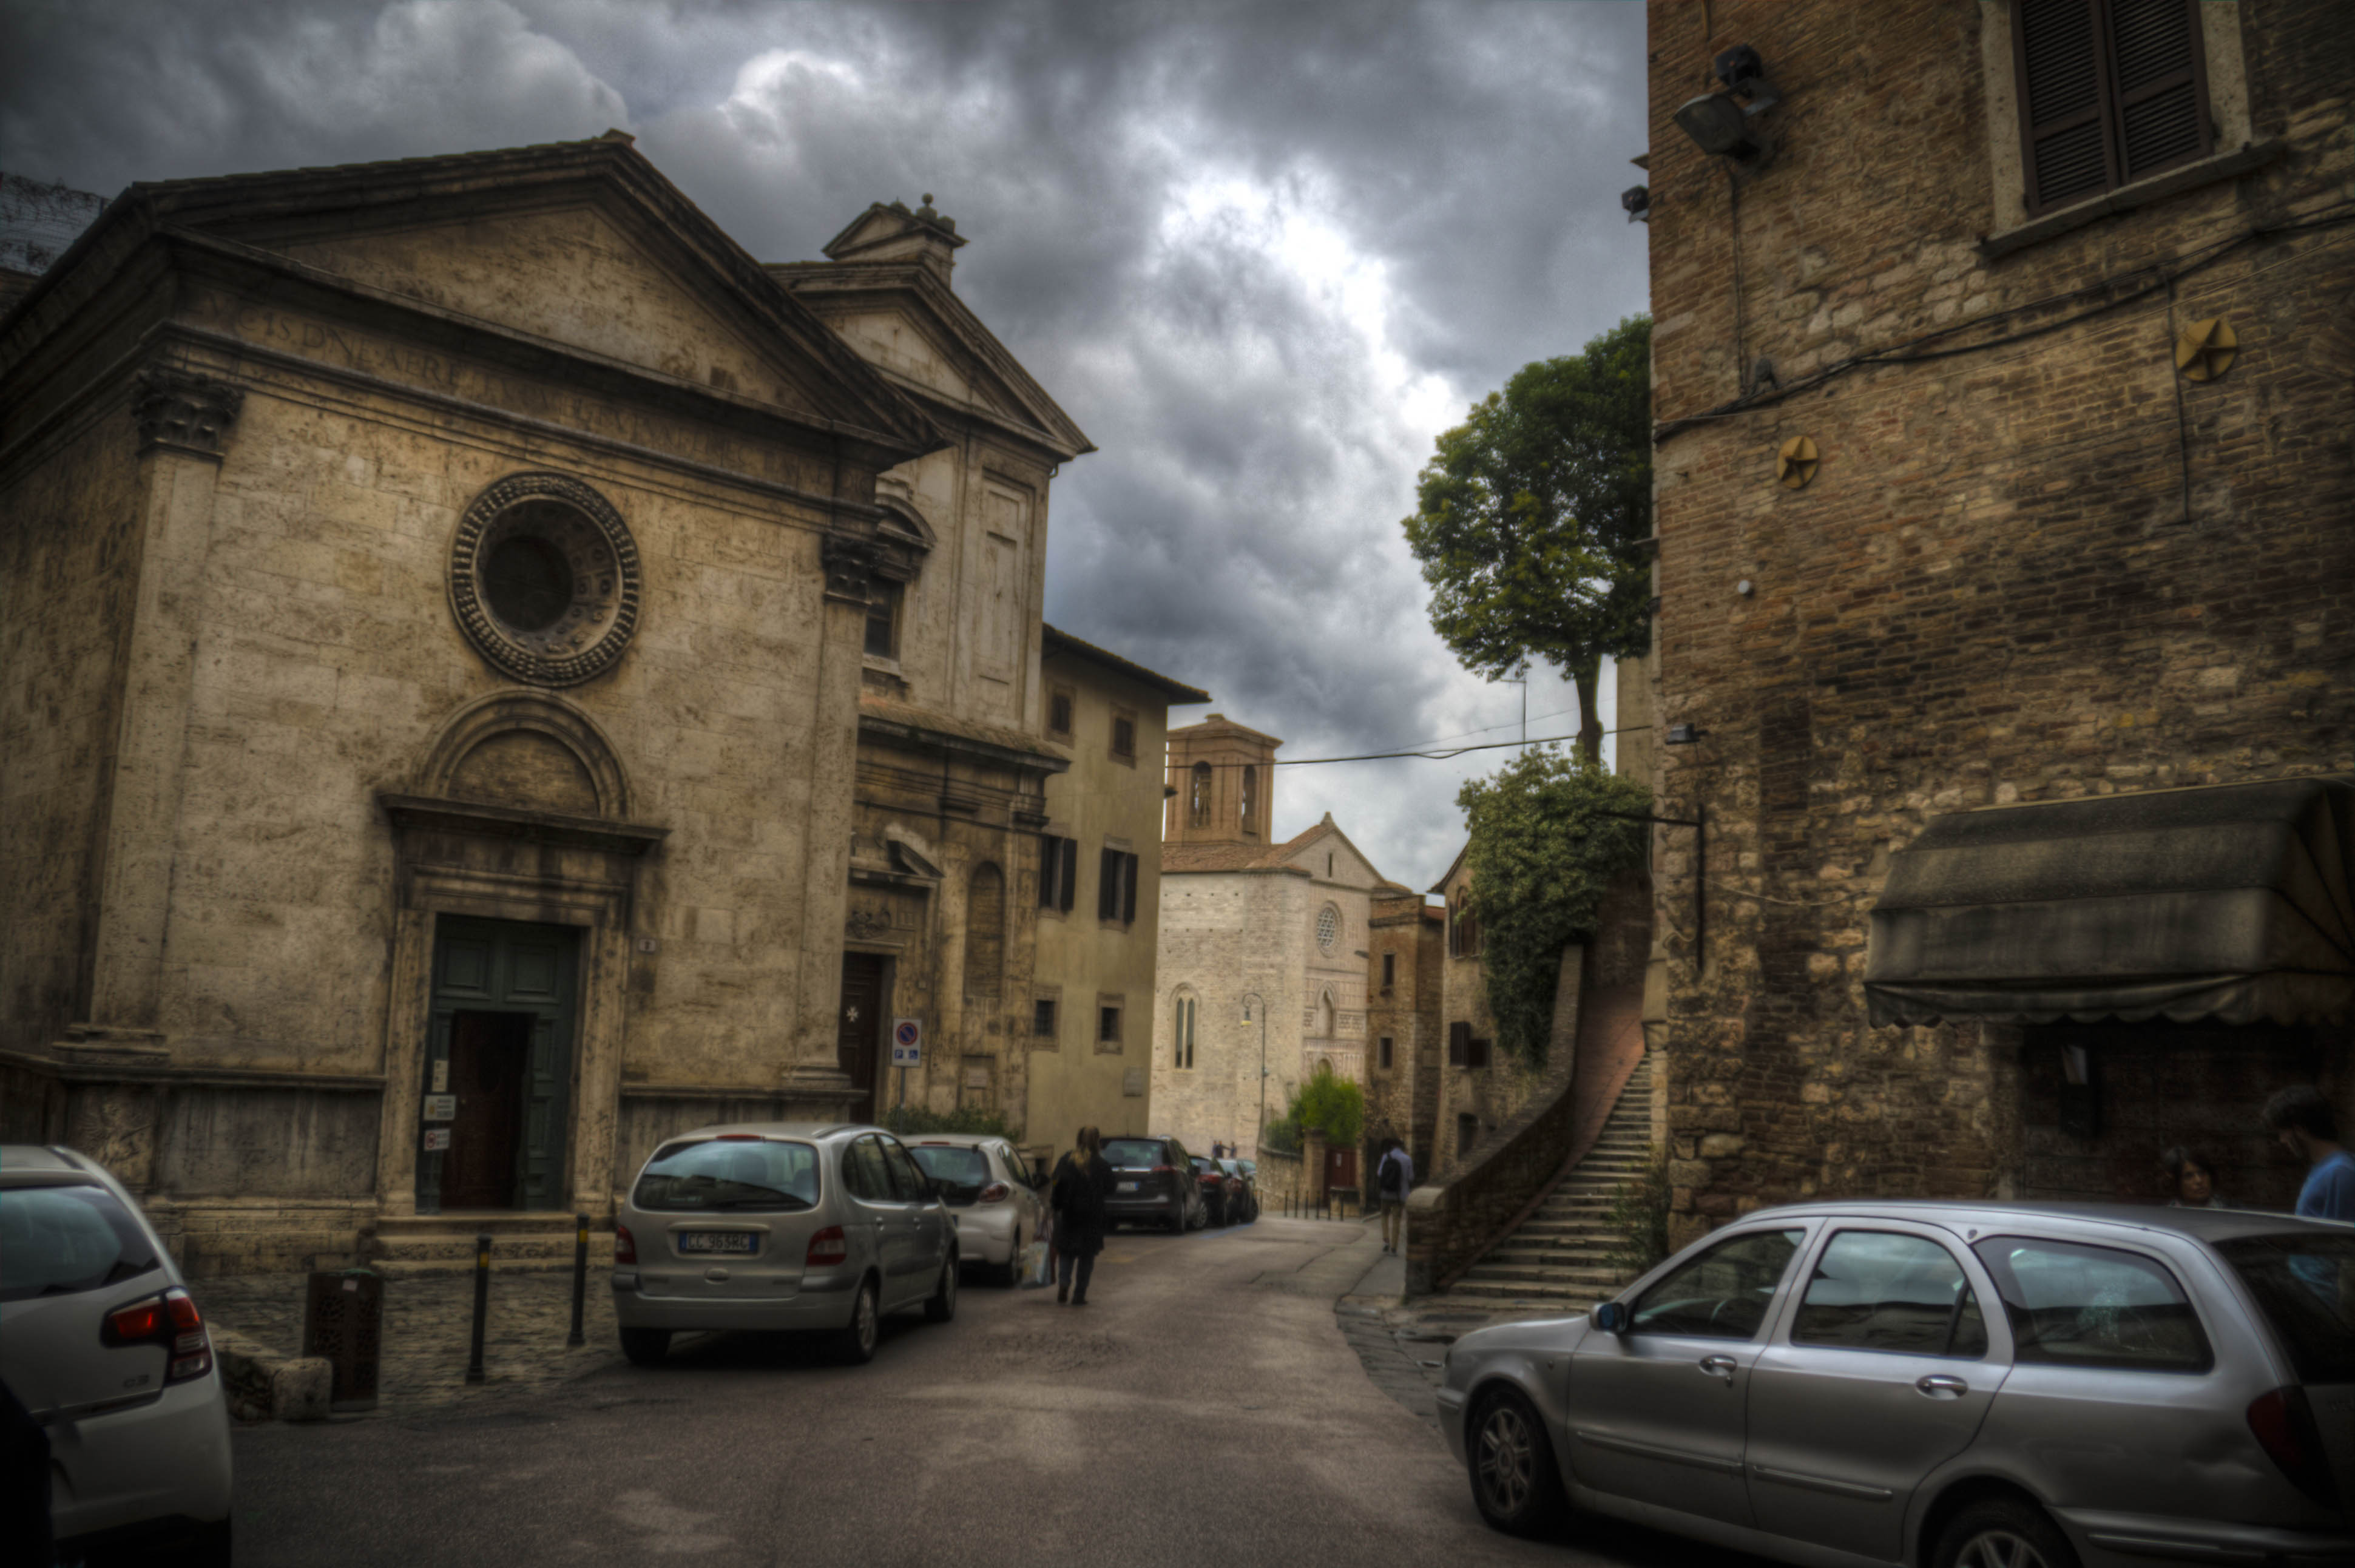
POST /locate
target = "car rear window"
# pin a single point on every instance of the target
(1132, 1154)
(962, 1172)
(2305, 1285)
(2072, 1305)
(55, 1240)
(728, 1173)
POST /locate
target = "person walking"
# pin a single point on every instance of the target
(2302, 1120)
(1393, 1180)
(1083, 1182)
(2191, 1181)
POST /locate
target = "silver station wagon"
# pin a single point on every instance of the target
(780, 1225)
(1996, 1385)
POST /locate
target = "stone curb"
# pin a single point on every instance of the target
(264, 1385)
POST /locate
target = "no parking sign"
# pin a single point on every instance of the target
(907, 1043)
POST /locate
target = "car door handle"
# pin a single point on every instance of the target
(1940, 1386)
(1718, 1366)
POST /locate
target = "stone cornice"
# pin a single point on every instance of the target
(435, 813)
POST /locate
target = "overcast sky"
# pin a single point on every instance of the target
(1263, 253)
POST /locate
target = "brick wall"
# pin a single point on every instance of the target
(2046, 569)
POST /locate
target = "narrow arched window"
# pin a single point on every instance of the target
(1201, 810)
(1251, 800)
(985, 933)
(1324, 1015)
(1182, 1031)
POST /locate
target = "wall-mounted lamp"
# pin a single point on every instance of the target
(1681, 735)
(1637, 200)
(1720, 126)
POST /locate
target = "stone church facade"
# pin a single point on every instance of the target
(482, 659)
(1264, 947)
(2007, 597)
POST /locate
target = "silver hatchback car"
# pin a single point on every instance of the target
(1994, 1386)
(780, 1225)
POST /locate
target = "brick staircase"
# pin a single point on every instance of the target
(520, 1242)
(1560, 1255)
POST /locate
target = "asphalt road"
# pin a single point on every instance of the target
(1202, 1409)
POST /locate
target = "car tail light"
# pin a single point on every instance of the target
(996, 1192)
(827, 1248)
(2283, 1425)
(737, 1138)
(626, 1245)
(170, 1320)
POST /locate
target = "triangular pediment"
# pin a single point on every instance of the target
(904, 319)
(581, 246)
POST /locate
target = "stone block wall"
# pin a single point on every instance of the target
(2036, 566)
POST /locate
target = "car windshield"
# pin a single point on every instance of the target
(729, 1173)
(57, 1241)
(962, 1172)
(2305, 1286)
(1132, 1154)
(1205, 1166)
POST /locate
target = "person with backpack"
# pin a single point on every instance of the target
(1393, 1180)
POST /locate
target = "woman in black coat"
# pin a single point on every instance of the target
(1083, 1182)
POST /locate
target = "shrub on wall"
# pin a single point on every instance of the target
(911, 1119)
(1545, 846)
(1331, 1106)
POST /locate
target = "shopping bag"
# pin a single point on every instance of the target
(1034, 1265)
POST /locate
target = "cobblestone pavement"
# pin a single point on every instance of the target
(427, 1323)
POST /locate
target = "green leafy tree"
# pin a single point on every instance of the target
(1544, 851)
(1331, 1106)
(1530, 521)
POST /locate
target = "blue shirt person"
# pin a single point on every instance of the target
(2329, 1189)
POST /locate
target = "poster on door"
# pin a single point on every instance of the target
(437, 1141)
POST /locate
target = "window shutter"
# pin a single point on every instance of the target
(1049, 847)
(2160, 81)
(2063, 102)
(1459, 1044)
(1128, 888)
(1108, 884)
(1070, 873)
(1476, 1053)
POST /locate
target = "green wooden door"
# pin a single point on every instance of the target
(500, 1038)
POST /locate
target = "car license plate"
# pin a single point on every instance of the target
(718, 1242)
(1128, 1186)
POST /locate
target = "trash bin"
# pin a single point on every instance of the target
(344, 1325)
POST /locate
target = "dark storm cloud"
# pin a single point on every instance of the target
(1261, 252)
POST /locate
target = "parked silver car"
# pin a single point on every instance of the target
(2002, 1386)
(992, 1195)
(102, 1342)
(780, 1225)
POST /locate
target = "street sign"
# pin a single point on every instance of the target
(442, 1075)
(907, 1043)
(437, 1139)
(440, 1107)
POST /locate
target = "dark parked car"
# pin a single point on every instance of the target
(1222, 1189)
(1153, 1184)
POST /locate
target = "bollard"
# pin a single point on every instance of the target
(481, 1306)
(580, 1276)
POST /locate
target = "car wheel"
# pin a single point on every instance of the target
(942, 1304)
(645, 1347)
(1009, 1274)
(1513, 1475)
(2003, 1532)
(854, 1342)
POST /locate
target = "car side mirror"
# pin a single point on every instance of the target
(1611, 1317)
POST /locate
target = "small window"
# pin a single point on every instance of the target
(1876, 1291)
(1197, 810)
(1721, 1295)
(1328, 928)
(883, 618)
(1465, 1050)
(2110, 91)
(1383, 1053)
(1390, 972)
(2071, 1304)
(1182, 1028)
(1116, 886)
(1108, 1026)
(1328, 865)
(1060, 703)
(1058, 871)
(1250, 823)
(1463, 926)
(1123, 737)
(1042, 1018)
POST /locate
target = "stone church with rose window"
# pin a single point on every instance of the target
(492, 674)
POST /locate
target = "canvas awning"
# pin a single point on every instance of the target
(2230, 904)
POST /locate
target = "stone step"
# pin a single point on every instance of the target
(1577, 1295)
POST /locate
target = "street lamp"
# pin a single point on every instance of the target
(1253, 999)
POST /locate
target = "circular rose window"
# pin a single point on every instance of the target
(544, 578)
(1329, 927)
